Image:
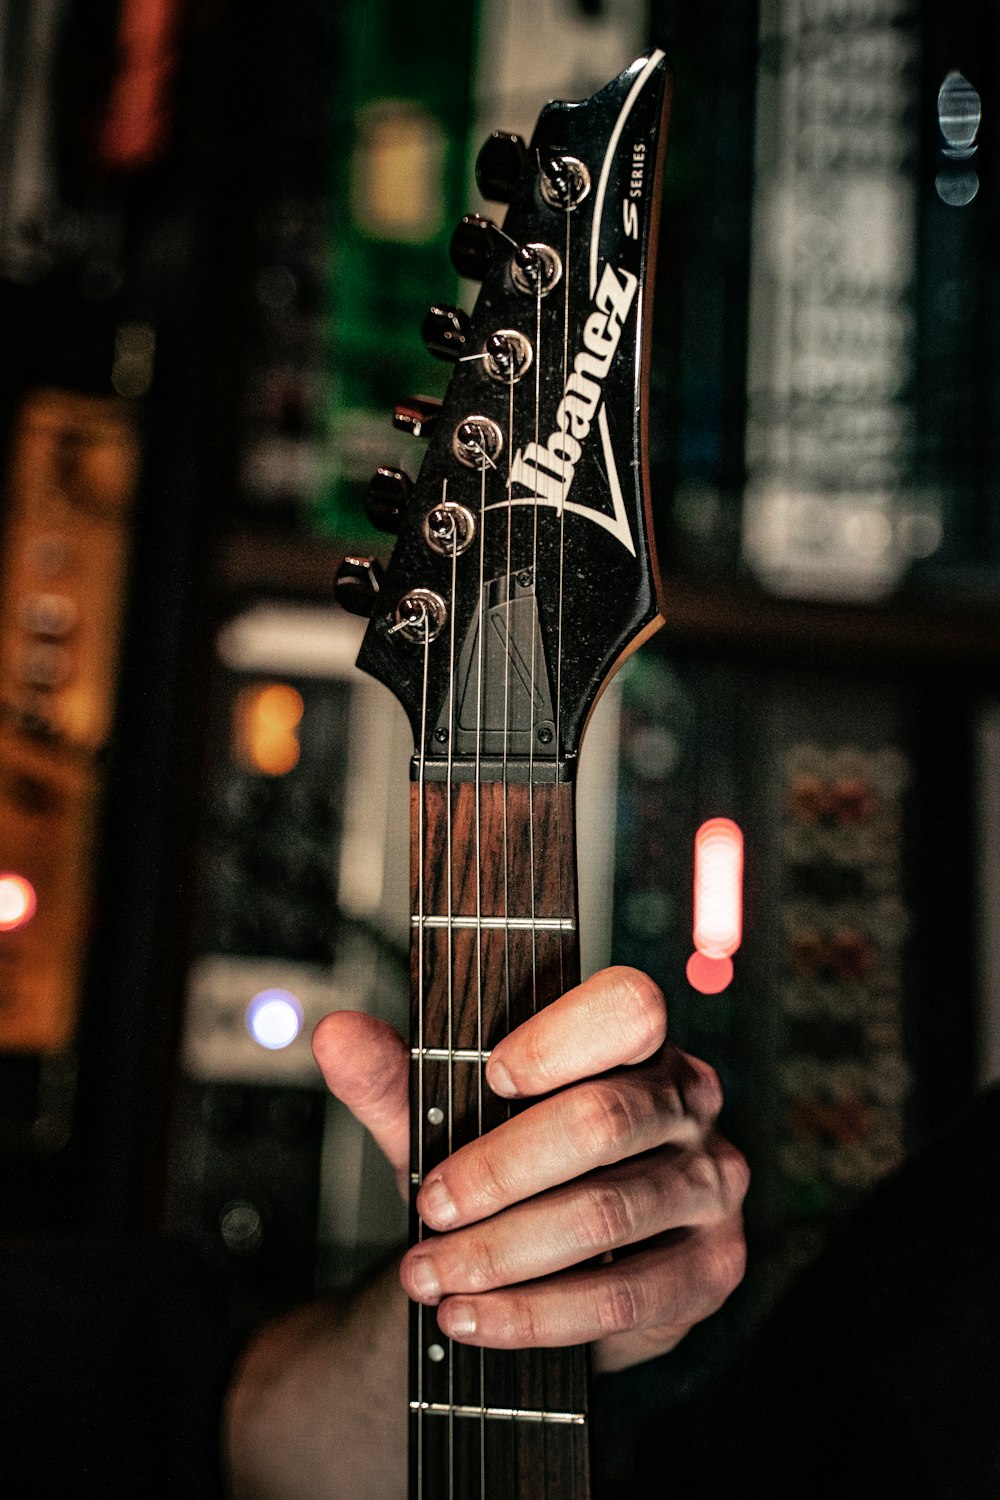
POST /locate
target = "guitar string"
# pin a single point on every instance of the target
(531, 755)
(508, 728)
(506, 702)
(450, 856)
(479, 912)
(505, 788)
(562, 576)
(570, 1360)
(422, 1040)
(534, 665)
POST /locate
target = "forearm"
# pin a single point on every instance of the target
(317, 1408)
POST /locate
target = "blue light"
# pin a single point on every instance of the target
(274, 1019)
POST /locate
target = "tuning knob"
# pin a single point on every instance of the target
(473, 246)
(387, 498)
(358, 584)
(446, 332)
(417, 415)
(499, 165)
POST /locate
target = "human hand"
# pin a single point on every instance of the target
(619, 1163)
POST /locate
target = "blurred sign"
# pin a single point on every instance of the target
(72, 479)
(830, 511)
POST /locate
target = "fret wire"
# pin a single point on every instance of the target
(497, 924)
(500, 1413)
(456, 1054)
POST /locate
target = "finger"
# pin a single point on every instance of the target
(614, 1018)
(669, 1286)
(366, 1064)
(593, 1124)
(620, 1206)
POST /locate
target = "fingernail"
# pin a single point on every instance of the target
(461, 1319)
(423, 1277)
(436, 1205)
(500, 1080)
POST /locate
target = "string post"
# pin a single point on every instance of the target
(449, 529)
(420, 616)
(535, 269)
(564, 181)
(508, 356)
(477, 442)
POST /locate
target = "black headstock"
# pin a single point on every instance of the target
(524, 570)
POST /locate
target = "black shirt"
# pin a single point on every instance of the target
(877, 1376)
(113, 1365)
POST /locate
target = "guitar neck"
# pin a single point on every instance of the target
(494, 939)
(522, 576)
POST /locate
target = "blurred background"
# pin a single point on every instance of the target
(220, 227)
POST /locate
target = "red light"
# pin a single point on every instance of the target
(18, 901)
(718, 888)
(709, 976)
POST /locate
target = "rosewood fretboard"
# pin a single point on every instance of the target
(493, 939)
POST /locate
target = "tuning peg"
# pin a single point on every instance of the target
(499, 165)
(417, 415)
(387, 498)
(446, 331)
(473, 246)
(358, 584)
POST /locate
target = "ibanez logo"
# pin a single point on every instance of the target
(546, 470)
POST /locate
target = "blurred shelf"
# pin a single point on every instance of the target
(727, 616)
(903, 633)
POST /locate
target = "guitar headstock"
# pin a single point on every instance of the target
(524, 570)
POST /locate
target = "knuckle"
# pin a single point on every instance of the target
(723, 1266)
(375, 1090)
(491, 1182)
(523, 1323)
(483, 1267)
(606, 1218)
(601, 1120)
(619, 1304)
(701, 1089)
(702, 1178)
(717, 1178)
(641, 1005)
(734, 1174)
(535, 1056)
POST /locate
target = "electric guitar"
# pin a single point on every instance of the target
(523, 575)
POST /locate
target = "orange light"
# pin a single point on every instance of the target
(265, 724)
(709, 976)
(718, 888)
(18, 902)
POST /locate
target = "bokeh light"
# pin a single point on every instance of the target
(18, 902)
(274, 1019)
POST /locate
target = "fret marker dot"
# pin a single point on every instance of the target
(435, 1354)
(435, 1115)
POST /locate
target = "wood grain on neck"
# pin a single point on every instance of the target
(493, 940)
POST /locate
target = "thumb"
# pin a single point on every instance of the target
(366, 1065)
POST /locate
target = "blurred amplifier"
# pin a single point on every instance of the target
(70, 493)
(303, 909)
(987, 852)
(847, 1035)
